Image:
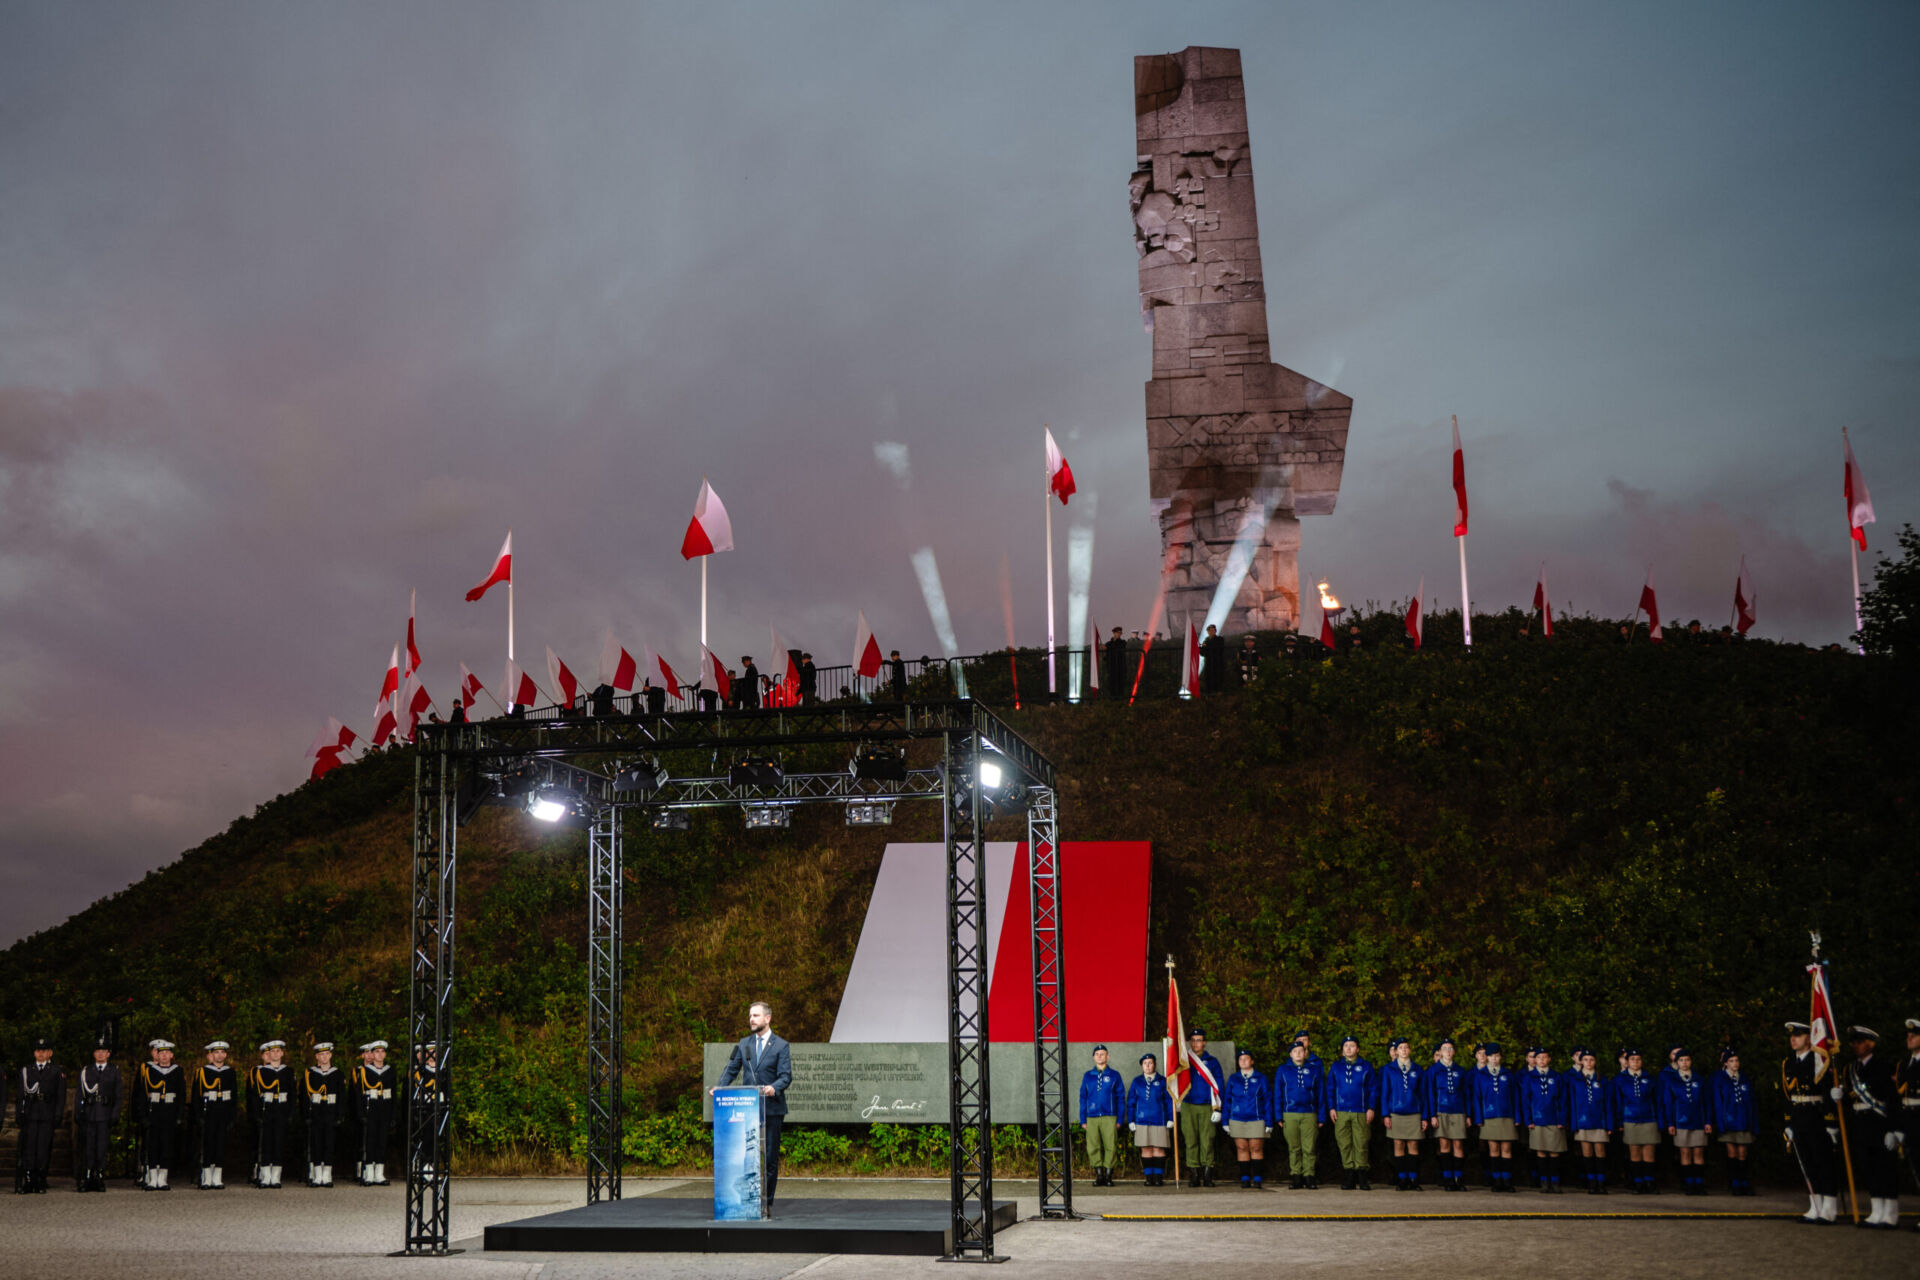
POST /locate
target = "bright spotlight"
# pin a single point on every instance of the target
(761, 817)
(870, 813)
(546, 810)
(991, 775)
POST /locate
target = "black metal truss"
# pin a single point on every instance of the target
(606, 1106)
(430, 1000)
(1055, 1132)
(969, 1086)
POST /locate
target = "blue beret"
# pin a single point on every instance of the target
(1491, 1046)
(1632, 1051)
(1679, 1051)
(1195, 1031)
(1444, 1041)
(1244, 1053)
(1395, 1043)
(1728, 1052)
(1100, 1048)
(1579, 1051)
(1148, 1057)
(1344, 1040)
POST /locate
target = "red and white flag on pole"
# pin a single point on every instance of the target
(328, 746)
(785, 690)
(1825, 1032)
(470, 688)
(1459, 484)
(1059, 474)
(1542, 605)
(1743, 600)
(713, 675)
(1859, 501)
(383, 721)
(669, 678)
(866, 650)
(390, 683)
(1326, 627)
(1173, 1045)
(1651, 605)
(413, 653)
(564, 680)
(414, 703)
(1190, 662)
(1413, 614)
(519, 687)
(617, 667)
(709, 531)
(502, 569)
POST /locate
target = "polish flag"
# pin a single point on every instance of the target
(1173, 1045)
(669, 678)
(563, 680)
(413, 654)
(470, 688)
(1413, 614)
(1542, 605)
(709, 531)
(1825, 1034)
(1059, 474)
(502, 569)
(786, 691)
(866, 650)
(344, 737)
(383, 722)
(1094, 657)
(1190, 662)
(1652, 607)
(1326, 629)
(1743, 600)
(1459, 484)
(325, 762)
(713, 675)
(391, 683)
(617, 667)
(1859, 501)
(328, 745)
(519, 686)
(416, 704)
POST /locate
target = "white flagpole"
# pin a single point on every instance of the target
(509, 602)
(703, 601)
(1046, 496)
(1853, 545)
(1466, 610)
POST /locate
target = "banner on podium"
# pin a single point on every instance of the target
(736, 1154)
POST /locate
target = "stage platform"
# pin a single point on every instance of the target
(659, 1224)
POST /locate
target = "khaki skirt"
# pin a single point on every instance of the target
(1153, 1135)
(1547, 1138)
(1451, 1125)
(1251, 1129)
(1404, 1128)
(1738, 1139)
(1640, 1134)
(1499, 1129)
(1689, 1137)
(1590, 1135)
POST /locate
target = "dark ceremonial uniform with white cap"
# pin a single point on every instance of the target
(374, 1090)
(97, 1101)
(269, 1109)
(159, 1101)
(428, 1084)
(1872, 1111)
(216, 1101)
(323, 1097)
(39, 1100)
(1807, 1081)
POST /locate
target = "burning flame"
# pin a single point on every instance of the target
(1328, 601)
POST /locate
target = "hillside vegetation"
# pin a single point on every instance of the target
(1568, 841)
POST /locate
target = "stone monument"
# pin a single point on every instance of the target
(1238, 448)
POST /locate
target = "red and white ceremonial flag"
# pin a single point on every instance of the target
(414, 703)
(519, 687)
(328, 746)
(866, 650)
(1059, 474)
(786, 691)
(1651, 605)
(470, 688)
(390, 683)
(344, 737)
(709, 531)
(1825, 1033)
(564, 680)
(1326, 627)
(1413, 614)
(1459, 484)
(413, 653)
(1743, 600)
(383, 722)
(502, 570)
(1859, 501)
(669, 678)
(1173, 1045)
(713, 675)
(1190, 662)
(1542, 605)
(617, 667)
(325, 763)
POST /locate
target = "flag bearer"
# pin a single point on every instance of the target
(1353, 1099)
(323, 1090)
(39, 1099)
(1730, 1106)
(158, 1102)
(1449, 1099)
(270, 1106)
(1873, 1110)
(1592, 1117)
(96, 1109)
(1636, 1113)
(1807, 1080)
(214, 1107)
(1403, 1101)
(374, 1085)
(1907, 1085)
(1299, 1099)
(1544, 1106)
(1200, 1109)
(1248, 1106)
(1103, 1096)
(1496, 1110)
(1681, 1099)
(1150, 1120)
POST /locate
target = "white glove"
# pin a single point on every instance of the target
(1267, 1132)
(1216, 1117)
(1833, 1135)
(1893, 1142)
(1838, 1093)
(1133, 1128)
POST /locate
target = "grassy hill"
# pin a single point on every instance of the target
(1566, 841)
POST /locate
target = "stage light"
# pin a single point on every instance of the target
(672, 820)
(991, 775)
(755, 771)
(762, 817)
(644, 778)
(870, 813)
(545, 809)
(875, 763)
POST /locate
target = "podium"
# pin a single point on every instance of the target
(739, 1172)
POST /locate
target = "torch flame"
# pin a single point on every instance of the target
(1328, 600)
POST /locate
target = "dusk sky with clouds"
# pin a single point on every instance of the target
(302, 305)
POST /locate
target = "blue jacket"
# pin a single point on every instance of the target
(1590, 1102)
(1102, 1093)
(1495, 1097)
(1681, 1104)
(1730, 1103)
(1248, 1098)
(1199, 1092)
(1543, 1098)
(1403, 1093)
(1299, 1090)
(1149, 1102)
(1449, 1089)
(1352, 1086)
(1634, 1099)
(755, 1065)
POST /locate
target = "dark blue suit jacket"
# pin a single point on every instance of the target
(772, 1065)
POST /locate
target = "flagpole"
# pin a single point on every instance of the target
(1046, 497)
(1853, 545)
(1840, 1108)
(1466, 611)
(1166, 1072)
(703, 602)
(509, 602)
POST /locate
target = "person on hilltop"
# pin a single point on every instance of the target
(1115, 652)
(1249, 661)
(1213, 660)
(1353, 1099)
(1730, 1106)
(1103, 1098)
(1150, 1120)
(1248, 1107)
(214, 1100)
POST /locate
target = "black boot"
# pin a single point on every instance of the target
(1365, 1178)
(1346, 1183)
(1297, 1183)
(1206, 1176)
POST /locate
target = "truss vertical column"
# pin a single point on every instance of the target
(430, 1002)
(970, 1115)
(605, 1046)
(1054, 1131)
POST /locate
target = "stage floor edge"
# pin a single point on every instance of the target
(654, 1224)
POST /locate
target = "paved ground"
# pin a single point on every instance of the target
(346, 1235)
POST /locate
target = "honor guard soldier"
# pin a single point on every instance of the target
(1496, 1110)
(1907, 1084)
(96, 1109)
(1353, 1097)
(1300, 1102)
(1730, 1106)
(1681, 1098)
(1807, 1080)
(429, 1084)
(1591, 1116)
(1449, 1099)
(1544, 1106)
(373, 1089)
(1150, 1120)
(1874, 1110)
(39, 1101)
(1248, 1107)
(323, 1092)
(1103, 1097)
(1403, 1101)
(215, 1103)
(159, 1100)
(1636, 1113)
(1200, 1109)
(269, 1108)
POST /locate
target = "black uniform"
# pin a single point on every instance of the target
(1872, 1111)
(215, 1104)
(159, 1100)
(1213, 653)
(269, 1108)
(809, 680)
(1807, 1081)
(427, 1086)
(897, 678)
(322, 1095)
(373, 1099)
(1116, 655)
(96, 1109)
(39, 1099)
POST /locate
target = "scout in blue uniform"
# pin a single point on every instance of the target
(1591, 1116)
(1200, 1109)
(1150, 1120)
(1496, 1110)
(1353, 1098)
(1449, 1100)
(1103, 1096)
(1681, 1100)
(1543, 1105)
(1730, 1107)
(1248, 1108)
(1403, 1101)
(1636, 1113)
(1299, 1100)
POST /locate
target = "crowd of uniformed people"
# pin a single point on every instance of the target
(319, 1114)
(1534, 1122)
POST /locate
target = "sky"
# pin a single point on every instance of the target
(302, 306)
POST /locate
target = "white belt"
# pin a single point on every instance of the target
(321, 1097)
(1864, 1106)
(159, 1097)
(273, 1097)
(1910, 1102)
(225, 1095)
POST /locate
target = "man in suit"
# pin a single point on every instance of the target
(763, 1059)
